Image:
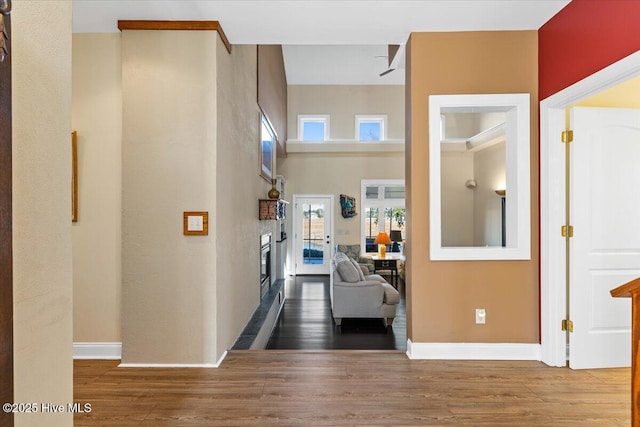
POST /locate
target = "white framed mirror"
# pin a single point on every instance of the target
(479, 177)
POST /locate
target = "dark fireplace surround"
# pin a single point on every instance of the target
(265, 264)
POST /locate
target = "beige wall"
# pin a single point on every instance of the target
(342, 103)
(624, 95)
(472, 216)
(272, 91)
(239, 186)
(337, 174)
(443, 296)
(42, 281)
(341, 173)
(490, 174)
(456, 200)
(97, 117)
(169, 166)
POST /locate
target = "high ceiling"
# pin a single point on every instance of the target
(362, 28)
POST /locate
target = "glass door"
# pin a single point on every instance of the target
(313, 234)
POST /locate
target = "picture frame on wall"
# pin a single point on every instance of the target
(268, 141)
(74, 176)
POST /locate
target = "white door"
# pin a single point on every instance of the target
(605, 249)
(312, 234)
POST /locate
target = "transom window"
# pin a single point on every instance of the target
(371, 128)
(313, 127)
(383, 210)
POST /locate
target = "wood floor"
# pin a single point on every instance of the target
(351, 388)
(305, 322)
(311, 387)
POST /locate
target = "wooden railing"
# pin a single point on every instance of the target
(632, 290)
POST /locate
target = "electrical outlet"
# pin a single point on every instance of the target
(481, 316)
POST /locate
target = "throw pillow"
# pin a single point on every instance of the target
(360, 273)
(347, 271)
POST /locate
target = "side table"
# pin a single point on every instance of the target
(388, 264)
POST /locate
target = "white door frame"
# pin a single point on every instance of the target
(552, 200)
(294, 225)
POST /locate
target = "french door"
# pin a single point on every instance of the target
(605, 248)
(313, 234)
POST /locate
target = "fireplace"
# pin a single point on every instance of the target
(265, 263)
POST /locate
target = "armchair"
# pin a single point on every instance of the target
(353, 252)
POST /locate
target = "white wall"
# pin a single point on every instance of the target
(97, 117)
(42, 281)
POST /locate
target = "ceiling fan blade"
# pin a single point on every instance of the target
(387, 72)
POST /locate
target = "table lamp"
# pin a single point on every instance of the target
(395, 236)
(382, 240)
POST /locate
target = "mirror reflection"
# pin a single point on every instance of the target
(472, 178)
(479, 194)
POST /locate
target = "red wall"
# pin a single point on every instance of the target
(583, 38)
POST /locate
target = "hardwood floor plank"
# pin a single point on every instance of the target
(354, 388)
(306, 322)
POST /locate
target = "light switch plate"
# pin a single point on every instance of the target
(195, 223)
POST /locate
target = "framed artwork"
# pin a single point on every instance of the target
(74, 176)
(268, 141)
(348, 206)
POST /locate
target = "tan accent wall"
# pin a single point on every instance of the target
(342, 103)
(97, 117)
(43, 328)
(169, 166)
(443, 295)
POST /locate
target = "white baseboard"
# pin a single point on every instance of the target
(174, 365)
(474, 351)
(97, 350)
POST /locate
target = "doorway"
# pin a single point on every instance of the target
(553, 199)
(313, 234)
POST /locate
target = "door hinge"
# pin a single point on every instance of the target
(567, 325)
(567, 136)
(563, 230)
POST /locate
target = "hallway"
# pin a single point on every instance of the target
(305, 322)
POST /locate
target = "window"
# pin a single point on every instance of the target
(313, 128)
(371, 128)
(383, 210)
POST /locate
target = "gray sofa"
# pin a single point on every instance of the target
(357, 294)
(353, 252)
